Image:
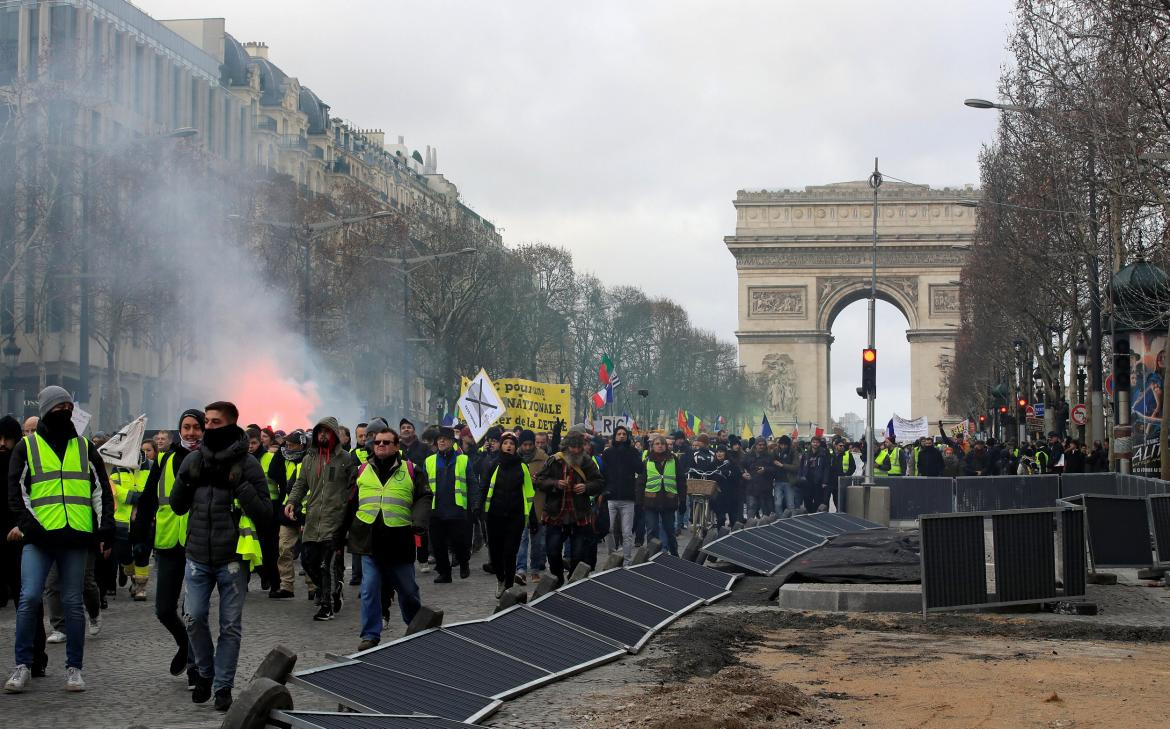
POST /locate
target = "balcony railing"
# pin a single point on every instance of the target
(266, 124)
(294, 141)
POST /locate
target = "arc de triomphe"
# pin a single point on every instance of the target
(803, 256)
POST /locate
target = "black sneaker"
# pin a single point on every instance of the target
(464, 571)
(312, 594)
(323, 613)
(202, 691)
(281, 594)
(179, 661)
(354, 582)
(338, 601)
(487, 567)
(223, 699)
(192, 678)
(263, 586)
(442, 579)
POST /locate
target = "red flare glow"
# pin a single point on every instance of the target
(265, 395)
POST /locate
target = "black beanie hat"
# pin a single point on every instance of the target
(10, 428)
(527, 436)
(193, 413)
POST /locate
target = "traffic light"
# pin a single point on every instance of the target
(868, 373)
(1022, 403)
(1003, 409)
(982, 422)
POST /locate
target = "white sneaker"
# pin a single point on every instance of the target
(73, 680)
(55, 637)
(95, 625)
(424, 569)
(19, 680)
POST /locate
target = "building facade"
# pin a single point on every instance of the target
(77, 75)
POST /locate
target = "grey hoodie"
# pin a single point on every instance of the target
(322, 489)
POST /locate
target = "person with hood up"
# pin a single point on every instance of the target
(508, 509)
(568, 480)
(61, 500)
(532, 542)
(388, 504)
(624, 475)
(322, 493)
(217, 485)
(452, 482)
(156, 525)
(663, 494)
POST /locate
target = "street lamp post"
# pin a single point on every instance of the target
(875, 181)
(11, 359)
(1021, 432)
(1082, 356)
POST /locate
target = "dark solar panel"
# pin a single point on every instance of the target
(340, 720)
(618, 603)
(371, 688)
(825, 520)
(625, 631)
(794, 539)
(537, 639)
(449, 659)
(715, 577)
(810, 525)
(652, 591)
(856, 521)
(757, 539)
(680, 580)
(734, 550)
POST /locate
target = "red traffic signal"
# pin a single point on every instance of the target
(982, 418)
(1003, 409)
(1022, 402)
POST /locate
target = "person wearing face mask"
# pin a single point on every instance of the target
(293, 451)
(508, 509)
(156, 526)
(62, 502)
(390, 501)
(218, 484)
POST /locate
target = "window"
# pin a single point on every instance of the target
(119, 64)
(211, 138)
(139, 71)
(160, 77)
(62, 42)
(227, 125)
(33, 57)
(176, 98)
(9, 45)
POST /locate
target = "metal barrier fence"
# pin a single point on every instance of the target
(912, 496)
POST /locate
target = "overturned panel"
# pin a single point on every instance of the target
(742, 554)
(699, 572)
(627, 632)
(442, 656)
(349, 720)
(681, 581)
(374, 689)
(1119, 530)
(652, 591)
(619, 603)
(526, 635)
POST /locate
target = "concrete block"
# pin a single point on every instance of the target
(869, 502)
(753, 521)
(653, 547)
(1151, 573)
(255, 703)
(581, 572)
(691, 552)
(515, 595)
(277, 665)
(711, 536)
(547, 584)
(1101, 578)
(425, 619)
(615, 559)
(850, 598)
(787, 514)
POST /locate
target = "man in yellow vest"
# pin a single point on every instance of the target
(156, 526)
(451, 506)
(223, 491)
(388, 505)
(62, 505)
(508, 509)
(889, 460)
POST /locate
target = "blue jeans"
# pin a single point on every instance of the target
(231, 580)
(35, 563)
(401, 578)
(660, 524)
(537, 545)
(785, 496)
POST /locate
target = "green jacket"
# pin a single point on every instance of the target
(324, 484)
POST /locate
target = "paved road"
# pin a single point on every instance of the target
(126, 665)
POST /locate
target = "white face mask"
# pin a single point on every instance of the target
(189, 444)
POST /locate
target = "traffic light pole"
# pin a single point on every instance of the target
(875, 181)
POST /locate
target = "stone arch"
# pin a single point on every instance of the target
(836, 298)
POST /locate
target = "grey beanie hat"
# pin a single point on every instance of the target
(51, 397)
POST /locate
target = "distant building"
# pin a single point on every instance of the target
(853, 425)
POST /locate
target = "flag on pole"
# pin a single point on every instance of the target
(606, 372)
(688, 424)
(765, 428)
(448, 420)
(720, 424)
(795, 431)
(747, 432)
(603, 397)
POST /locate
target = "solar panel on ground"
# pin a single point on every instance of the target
(535, 638)
(715, 577)
(848, 523)
(757, 538)
(625, 631)
(857, 521)
(652, 591)
(347, 720)
(792, 536)
(374, 689)
(810, 525)
(618, 603)
(742, 554)
(452, 660)
(680, 580)
(825, 520)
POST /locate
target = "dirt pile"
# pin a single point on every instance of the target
(737, 697)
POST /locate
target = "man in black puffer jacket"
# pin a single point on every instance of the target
(624, 475)
(216, 483)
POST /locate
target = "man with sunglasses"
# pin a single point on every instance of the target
(389, 503)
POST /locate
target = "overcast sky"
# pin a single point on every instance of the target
(622, 130)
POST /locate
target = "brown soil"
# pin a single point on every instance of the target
(738, 697)
(894, 680)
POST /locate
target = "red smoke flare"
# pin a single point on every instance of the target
(266, 396)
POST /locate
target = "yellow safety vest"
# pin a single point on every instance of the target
(895, 462)
(60, 491)
(460, 479)
(123, 483)
(845, 462)
(248, 543)
(392, 498)
(273, 487)
(529, 491)
(170, 529)
(657, 480)
(361, 454)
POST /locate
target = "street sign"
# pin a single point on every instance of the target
(1030, 411)
(1109, 386)
(1079, 414)
(1036, 424)
(1039, 407)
